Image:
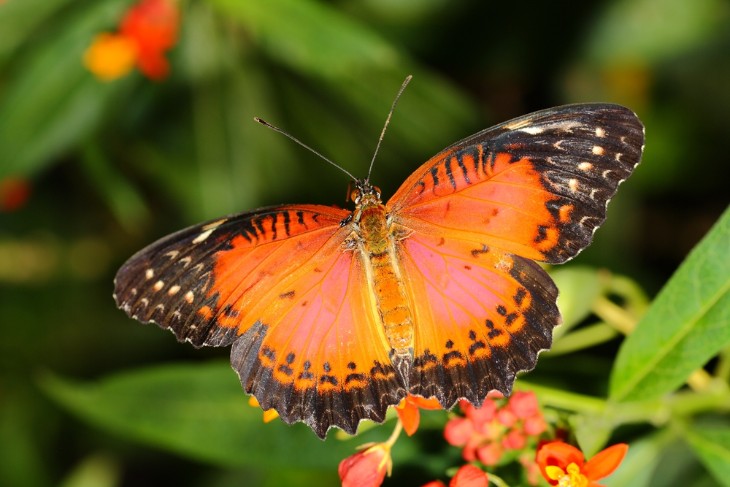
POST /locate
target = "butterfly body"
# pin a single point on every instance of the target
(377, 244)
(335, 315)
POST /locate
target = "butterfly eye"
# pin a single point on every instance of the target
(355, 195)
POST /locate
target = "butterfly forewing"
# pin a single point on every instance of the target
(536, 186)
(279, 284)
(176, 281)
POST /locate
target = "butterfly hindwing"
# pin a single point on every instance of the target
(536, 186)
(483, 315)
(321, 357)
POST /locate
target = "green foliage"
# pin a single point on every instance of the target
(684, 328)
(196, 410)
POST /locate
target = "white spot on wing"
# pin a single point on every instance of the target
(189, 297)
(173, 290)
(585, 166)
(149, 274)
(598, 150)
(214, 225)
(600, 132)
(158, 285)
(172, 254)
(186, 260)
(532, 130)
(203, 236)
(573, 185)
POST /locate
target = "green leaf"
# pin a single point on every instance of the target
(356, 62)
(712, 446)
(20, 20)
(199, 411)
(312, 37)
(43, 115)
(631, 30)
(640, 461)
(579, 288)
(685, 326)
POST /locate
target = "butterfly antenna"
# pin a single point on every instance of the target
(291, 137)
(387, 121)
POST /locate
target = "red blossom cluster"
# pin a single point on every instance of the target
(147, 31)
(486, 433)
(499, 431)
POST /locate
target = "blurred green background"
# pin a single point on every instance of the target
(113, 166)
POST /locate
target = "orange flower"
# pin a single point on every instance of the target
(148, 30)
(564, 465)
(409, 414)
(110, 56)
(269, 414)
(366, 468)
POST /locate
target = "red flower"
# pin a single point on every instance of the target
(366, 468)
(564, 465)
(14, 192)
(409, 414)
(152, 25)
(469, 476)
(148, 30)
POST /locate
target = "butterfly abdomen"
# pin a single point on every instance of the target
(379, 257)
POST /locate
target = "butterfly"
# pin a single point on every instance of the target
(336, 314)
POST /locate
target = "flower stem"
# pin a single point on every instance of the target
(395, 434)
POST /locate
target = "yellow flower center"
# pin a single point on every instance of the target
(570, 477)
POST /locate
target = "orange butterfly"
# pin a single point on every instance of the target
(335, 315)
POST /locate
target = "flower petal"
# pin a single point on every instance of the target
(366, 468)
(523, 404)
(605, 462)
(458, 431)
(110, 56)
(469, 476)
(409, 416)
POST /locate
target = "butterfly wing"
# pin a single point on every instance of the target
(482, 315)
(536, 186)
(477, 214)
(280, 286)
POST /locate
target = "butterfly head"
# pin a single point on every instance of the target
(362, 192)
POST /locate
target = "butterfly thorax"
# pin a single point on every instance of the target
(376, 240)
